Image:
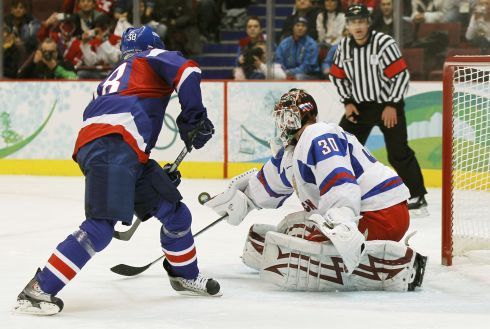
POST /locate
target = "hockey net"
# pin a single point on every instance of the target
(466, 156)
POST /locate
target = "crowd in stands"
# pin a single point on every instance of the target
(310, 35)
(80, 38)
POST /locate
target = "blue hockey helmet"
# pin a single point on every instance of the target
(139, 39)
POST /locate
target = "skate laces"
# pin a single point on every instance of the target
(198, 283)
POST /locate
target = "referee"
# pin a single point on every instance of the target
(371, 77)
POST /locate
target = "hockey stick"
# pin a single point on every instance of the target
(128, 270)
(126, 235)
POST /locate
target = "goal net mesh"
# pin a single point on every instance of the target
(471, 158)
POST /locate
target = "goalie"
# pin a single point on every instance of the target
(355, 210)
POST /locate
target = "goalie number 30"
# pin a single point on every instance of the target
(328, 145)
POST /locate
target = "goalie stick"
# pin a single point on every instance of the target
(126, 235)
(128, 270)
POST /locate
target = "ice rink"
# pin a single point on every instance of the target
(39, 212)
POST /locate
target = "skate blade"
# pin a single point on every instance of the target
(419, 213)
(44, 308)
(191, 293)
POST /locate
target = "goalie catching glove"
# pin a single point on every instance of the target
(234, 202)
(340, 226)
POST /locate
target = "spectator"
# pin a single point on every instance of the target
(254, 65)
(298, 54)
(370, 4)
(23, 24)
(183, 34)
(99, 48)
(208, 19)
(330, 23)
(478, 32)
(13, 53)
(44, 64)
(383, 22)
(85, 17)
(151, 15)
(435, 11)
(302, 8)
(62, 32)
(328, 61)
(254, 35)
(104, 6)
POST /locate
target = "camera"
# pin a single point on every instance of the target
(249, 56)
(63, 16)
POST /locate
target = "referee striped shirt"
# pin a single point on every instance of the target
(374, 72)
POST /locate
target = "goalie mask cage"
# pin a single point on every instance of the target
(465, 156)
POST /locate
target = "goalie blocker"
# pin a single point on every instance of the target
(285, 258)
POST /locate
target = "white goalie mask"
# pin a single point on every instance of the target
(293, 110)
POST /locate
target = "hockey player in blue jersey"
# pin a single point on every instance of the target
(120, 128)
(354, 209)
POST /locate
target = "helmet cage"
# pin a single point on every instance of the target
(287, 116)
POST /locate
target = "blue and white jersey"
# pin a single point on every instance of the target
(328, 168)
(132, 99)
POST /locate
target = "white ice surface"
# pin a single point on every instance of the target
(39, 212)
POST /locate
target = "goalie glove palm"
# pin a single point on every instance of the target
(345, 237)
(234, 201)
(237, 207)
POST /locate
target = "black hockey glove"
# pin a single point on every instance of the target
(173, 175)
(195, 135)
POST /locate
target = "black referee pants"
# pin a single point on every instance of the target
(400, 155)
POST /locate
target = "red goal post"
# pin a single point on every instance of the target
(465, 156)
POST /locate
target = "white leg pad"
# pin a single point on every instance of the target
(296, 264)
(254, 245)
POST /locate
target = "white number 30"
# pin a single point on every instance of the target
(328, 145)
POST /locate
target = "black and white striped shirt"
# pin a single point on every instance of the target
(375, 72)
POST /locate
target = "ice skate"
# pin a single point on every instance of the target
(32, 300)
(200, 286)
(418, 207)
(419, 267)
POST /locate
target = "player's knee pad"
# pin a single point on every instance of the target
(94, 234)
(254, 245)
(176, 219)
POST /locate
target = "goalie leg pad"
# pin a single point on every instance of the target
(254, 245)
(297, 264)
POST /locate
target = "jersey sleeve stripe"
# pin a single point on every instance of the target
(337, 177)
(265, 184)
(384, 186)
(184, 72)
(395, 68)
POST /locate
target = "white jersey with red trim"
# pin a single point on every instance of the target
(132, 99)
(327, 168)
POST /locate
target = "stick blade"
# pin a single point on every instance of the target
(127, 270)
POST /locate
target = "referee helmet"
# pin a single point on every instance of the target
(357, 11)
